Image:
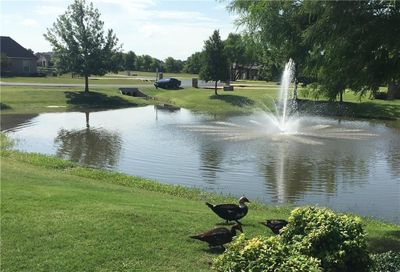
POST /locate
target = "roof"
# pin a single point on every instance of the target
(13, 49)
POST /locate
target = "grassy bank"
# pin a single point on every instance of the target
(57, 216)
(246, 98)
(68, 79)
(30, 99)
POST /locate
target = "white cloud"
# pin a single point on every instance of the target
(155, 27)
(30, 23)
(50, 10)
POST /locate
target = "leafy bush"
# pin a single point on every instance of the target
(5, 142)
(267, 254)
(387, 262)
(337, 240)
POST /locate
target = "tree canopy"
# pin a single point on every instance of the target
(80, 44)
(336, 44)
(215, 67)
(194, 63)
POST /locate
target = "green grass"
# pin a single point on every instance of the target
(67, 79)
(153, 75)
(17, 99)
(57, 216)
(246, 98)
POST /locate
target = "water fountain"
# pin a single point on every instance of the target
(280, 119)
(283, 122)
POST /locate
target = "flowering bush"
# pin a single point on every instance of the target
(267, 254)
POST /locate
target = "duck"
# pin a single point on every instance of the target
(231, 212)
(275, 224)
(218, 236)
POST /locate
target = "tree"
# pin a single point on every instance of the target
(155, 64)
(235, 52)
(79, 41)
(130, 61)
(241, 50)
(117, 62)
(144, 63)
(215, 61)
(172, 65)
(194, 63)
(338, 44)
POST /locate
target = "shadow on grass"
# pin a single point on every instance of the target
(4, 106)
(214, 250)
(235, 100)
(390, 241)
(370, 109)
(96, 100)
(350, 109)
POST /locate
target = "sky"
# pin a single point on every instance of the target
(159, 28)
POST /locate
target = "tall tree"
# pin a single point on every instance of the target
(235, 52)
(130, 61)
(241, 51)
(79, 41)
(172, 65)
(194, 63)
(216, 67)
(339, 44)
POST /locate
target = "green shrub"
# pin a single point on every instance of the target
(5, 142)
(386, 262)
(337, 240)
(267, 254)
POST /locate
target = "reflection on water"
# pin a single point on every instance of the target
(89, 146)
(211, 158)
(345, 165)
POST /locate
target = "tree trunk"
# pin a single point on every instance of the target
(86, 83)
(87, 119)
(296, 83)
(341, 96)
(216, 93)
(393, 91)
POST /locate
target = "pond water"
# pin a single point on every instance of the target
(351, 166)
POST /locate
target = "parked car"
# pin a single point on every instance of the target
(167, 83)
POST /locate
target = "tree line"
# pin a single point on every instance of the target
(336, 45)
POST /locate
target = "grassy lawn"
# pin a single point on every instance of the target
(246, 98)
(139, 74)
(57, 216)
(17, 99)
(250, 98)
(67, 79)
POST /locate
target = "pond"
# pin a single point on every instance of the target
(347, 165)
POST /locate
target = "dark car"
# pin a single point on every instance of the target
(168, 83)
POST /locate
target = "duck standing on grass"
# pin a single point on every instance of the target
(231, 212)
(275, 225)
(218, 236)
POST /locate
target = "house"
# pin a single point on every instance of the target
(16, 60)
(245, 72)
(44, 59)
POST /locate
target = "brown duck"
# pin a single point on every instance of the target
(231, 212)
(218, 236)
(275, 224)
